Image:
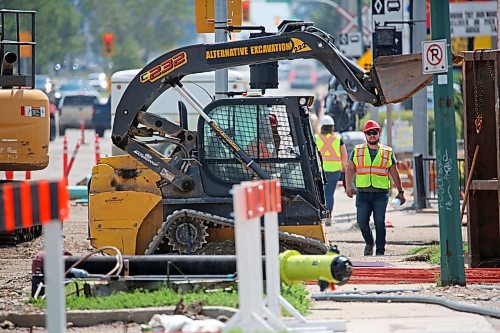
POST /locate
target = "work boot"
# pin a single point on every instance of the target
(379, 252)
(368, 249)
(328, 221)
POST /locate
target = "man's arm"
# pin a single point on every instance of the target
(349, 176)
(393, 170)
(343, 157)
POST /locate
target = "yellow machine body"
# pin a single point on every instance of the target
(24, 129)
(126, 212)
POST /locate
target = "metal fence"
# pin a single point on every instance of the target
(427, 180)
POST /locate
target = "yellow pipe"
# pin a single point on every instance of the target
(330, 267)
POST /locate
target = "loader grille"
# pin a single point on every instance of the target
(264, 133)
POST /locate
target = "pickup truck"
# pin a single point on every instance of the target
(101, 118)
(75, 107)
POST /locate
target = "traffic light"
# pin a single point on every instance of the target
(108, 44)
(386, 41)
(245, 7)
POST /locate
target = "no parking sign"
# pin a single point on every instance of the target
(434, 56)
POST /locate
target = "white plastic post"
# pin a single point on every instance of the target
(249, 266)
(55, 319)
(273, 286)
(253, 315)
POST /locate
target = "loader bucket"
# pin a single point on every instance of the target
(401, 76)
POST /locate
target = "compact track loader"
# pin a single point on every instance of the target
(147, 203)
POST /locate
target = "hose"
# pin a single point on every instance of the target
(119, 260)
(410, 299)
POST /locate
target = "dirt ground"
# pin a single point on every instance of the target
(409, 230)
(15, 268)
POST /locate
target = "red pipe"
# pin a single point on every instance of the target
(65, 157)
(82, 128)
(75, 152)
(97, 149)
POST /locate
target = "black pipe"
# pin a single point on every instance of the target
(160, 264)
(8, 63)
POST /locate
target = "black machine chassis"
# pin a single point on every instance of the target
(287, 240)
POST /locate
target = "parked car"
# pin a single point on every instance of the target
(67, 86)
(52, 111)
(97, 81)
(44, 83)
(303, 75)
(351, 139)
(101, 119)
(75, 107)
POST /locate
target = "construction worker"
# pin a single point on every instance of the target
(267, 145)
(334, 155)
(372, 162)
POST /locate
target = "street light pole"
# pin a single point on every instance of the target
(452, 259)
(220, 25)
(419, 100)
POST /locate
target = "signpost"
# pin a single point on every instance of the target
(386, 12)
(450, 233)
(434, 56)
(350, 44)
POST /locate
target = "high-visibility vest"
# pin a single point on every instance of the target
(329, 147)
(372, 173)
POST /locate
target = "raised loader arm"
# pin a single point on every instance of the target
(294, 40)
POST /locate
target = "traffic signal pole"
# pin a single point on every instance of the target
(452, 260)
(220, 25)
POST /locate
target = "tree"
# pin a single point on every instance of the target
(57, 27)
(143, 28)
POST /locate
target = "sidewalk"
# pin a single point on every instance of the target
(410, 229)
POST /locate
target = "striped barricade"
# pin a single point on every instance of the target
(26, 204)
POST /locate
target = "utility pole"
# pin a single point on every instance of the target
(360, 23)
(452, 259)
(220, 25)
(388, 123)
(419, 100)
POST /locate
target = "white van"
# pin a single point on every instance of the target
(200, 85)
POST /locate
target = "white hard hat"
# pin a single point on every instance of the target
(327, 121)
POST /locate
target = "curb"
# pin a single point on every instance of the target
(81, 318)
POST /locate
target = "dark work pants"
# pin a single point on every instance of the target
(366, 203)
(332, 179)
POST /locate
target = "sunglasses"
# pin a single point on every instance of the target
(371, 132)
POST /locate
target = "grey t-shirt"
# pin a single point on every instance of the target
(373, 153)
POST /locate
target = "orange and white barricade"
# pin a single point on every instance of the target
(251, 201)
(41, 203)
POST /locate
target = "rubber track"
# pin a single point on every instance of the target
(292, 241)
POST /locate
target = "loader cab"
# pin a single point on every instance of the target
(275, 132)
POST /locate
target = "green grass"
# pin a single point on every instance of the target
(432, 253)
(295, 295)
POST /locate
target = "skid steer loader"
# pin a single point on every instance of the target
(147, 203)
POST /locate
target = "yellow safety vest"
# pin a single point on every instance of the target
(329, 147)
(372, 173)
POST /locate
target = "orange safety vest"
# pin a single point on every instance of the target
(329, 147)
